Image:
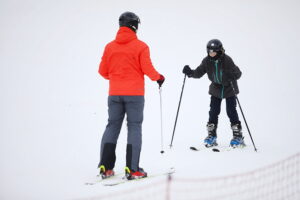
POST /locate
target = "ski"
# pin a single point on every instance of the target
(124, 179)
(202, 148)
(98, 179)
(215, 148)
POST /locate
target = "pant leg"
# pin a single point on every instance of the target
(116, 112)
(134, 106)
(215, 109)
(231, 110)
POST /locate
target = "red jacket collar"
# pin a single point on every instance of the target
(125, 35)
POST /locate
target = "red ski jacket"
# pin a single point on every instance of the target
(124, 63)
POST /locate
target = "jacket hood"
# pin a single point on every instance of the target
(125, 35)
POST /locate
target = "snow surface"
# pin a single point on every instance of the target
(53, 102)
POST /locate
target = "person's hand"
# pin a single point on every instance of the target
(227, 77)
(161, 80)
(187, 71)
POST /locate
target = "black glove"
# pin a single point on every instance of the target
(161, 80)
(187, 71)
(227, 77)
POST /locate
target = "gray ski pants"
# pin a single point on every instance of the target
(118, 106)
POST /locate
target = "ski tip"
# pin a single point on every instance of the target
(215, 150)
(194, 148)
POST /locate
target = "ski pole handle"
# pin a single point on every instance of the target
(232, 87)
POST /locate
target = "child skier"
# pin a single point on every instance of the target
(223, 74)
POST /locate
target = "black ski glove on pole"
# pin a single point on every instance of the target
(187, 71)
(161, 80)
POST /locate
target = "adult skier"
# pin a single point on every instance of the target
(223, 73)
(124, 63)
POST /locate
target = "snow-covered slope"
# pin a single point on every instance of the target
(53, 102)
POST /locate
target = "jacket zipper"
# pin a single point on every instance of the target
(217, 77)
(216, 65)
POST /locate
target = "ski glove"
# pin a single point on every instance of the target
(227, 78)
(161, 80)
(187, 71)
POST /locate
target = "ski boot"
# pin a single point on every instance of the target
(131, 174)
(238, 139)
(106, 173)
(211, 139)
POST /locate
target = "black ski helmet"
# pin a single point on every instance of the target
(130, 20)
(215, 45)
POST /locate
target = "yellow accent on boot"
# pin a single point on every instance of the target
(127, 170)
(127, 173)
(102, 169)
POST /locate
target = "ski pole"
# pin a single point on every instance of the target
(243, 115)
(161, 123)
(178, 110)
